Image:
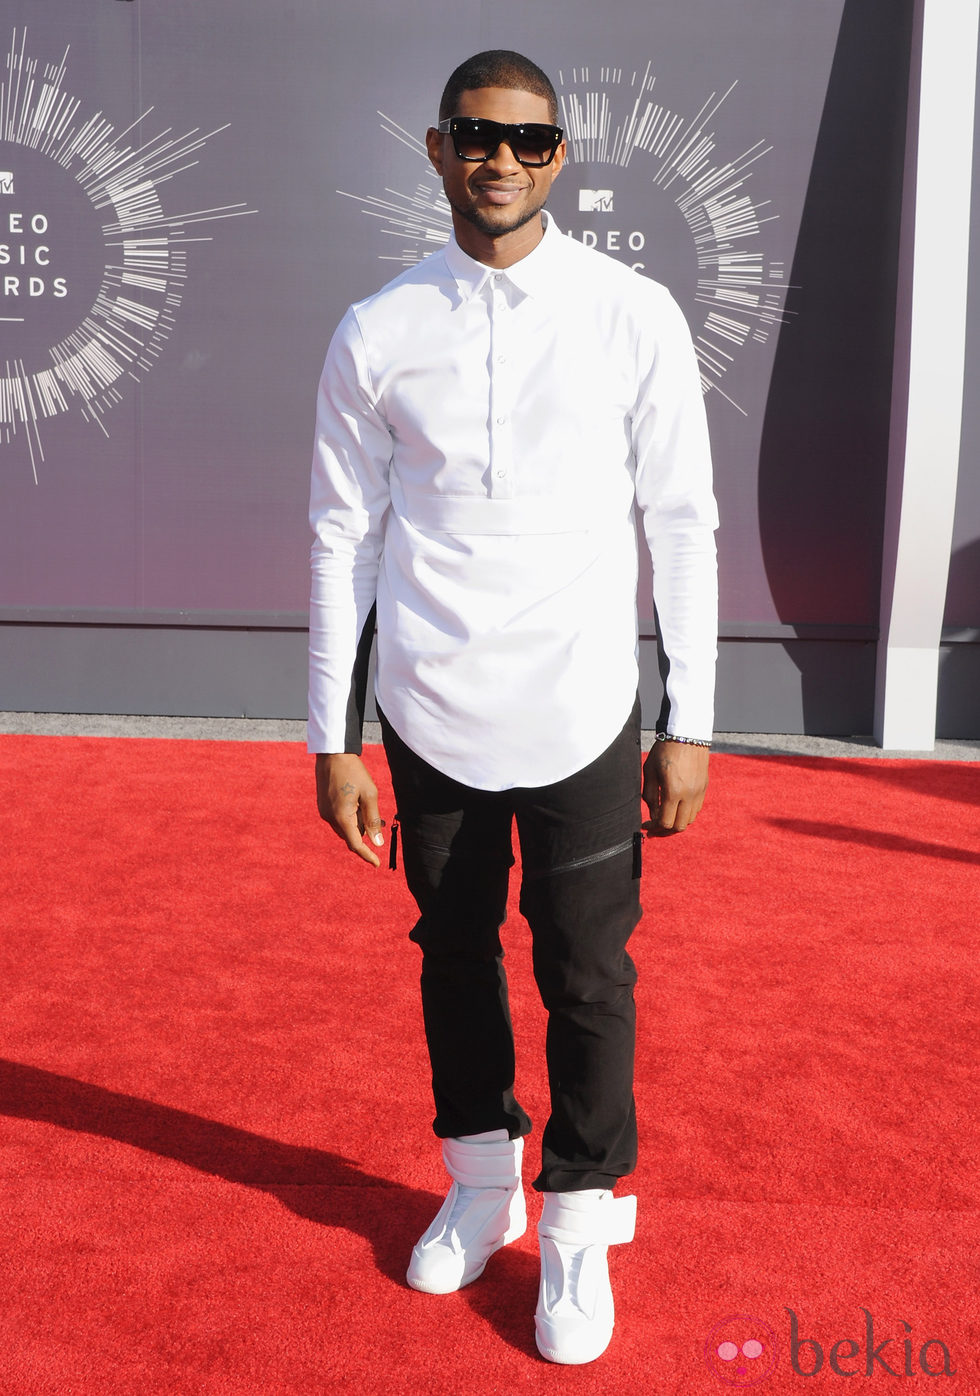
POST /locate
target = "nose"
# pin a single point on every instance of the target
(503, 158)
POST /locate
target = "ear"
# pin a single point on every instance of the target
(559, 159)
(434, 146)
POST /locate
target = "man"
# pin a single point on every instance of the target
(486, 423)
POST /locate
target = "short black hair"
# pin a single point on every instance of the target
(497, 67)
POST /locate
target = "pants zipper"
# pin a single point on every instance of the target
(576, 863)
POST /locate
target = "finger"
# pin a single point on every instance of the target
(347, 828)
(678, 814)
(692, 806)
(371, 818)
(654, 831)
(667, 815)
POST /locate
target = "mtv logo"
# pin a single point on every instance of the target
(595, 201)
(6, 182)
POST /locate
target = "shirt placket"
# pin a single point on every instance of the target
(501, 481)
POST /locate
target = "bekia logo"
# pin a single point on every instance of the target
(933, 1354)
(742, 1351)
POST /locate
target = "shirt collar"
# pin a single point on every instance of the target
(537, 274)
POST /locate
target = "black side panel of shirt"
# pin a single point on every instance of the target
(663, 664)
(357, 697)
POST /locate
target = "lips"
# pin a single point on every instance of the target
(501, 193)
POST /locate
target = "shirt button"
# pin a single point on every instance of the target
(497, 276)
(500, 421)
(501, 474)
(501, 358)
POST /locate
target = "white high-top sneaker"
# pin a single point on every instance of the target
(483, 1210)
(575, 1314)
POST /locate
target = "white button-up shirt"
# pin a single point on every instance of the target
(482, 437)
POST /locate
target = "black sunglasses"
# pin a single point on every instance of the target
(475, 139)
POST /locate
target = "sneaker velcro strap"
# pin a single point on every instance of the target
(484, 1165)
(613, 1223)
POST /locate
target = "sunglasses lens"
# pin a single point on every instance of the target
(474, 139)
(533, 145)
(477, 139)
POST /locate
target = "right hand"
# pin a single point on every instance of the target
(347, 799)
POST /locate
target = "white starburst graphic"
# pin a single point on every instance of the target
(145, 247)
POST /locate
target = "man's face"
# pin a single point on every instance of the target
(498, 196)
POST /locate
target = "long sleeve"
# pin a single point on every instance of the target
(348, 504)
(674, 491)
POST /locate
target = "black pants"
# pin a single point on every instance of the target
(580, 846)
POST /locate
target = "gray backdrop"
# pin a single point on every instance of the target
(153, 539)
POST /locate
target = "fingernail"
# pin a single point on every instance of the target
(376, 838)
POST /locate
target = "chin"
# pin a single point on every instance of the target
(508, 220)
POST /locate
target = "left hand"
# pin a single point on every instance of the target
(675, 778)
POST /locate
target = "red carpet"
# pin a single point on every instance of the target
(216, 1155)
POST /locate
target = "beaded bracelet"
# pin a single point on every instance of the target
(686, 741)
